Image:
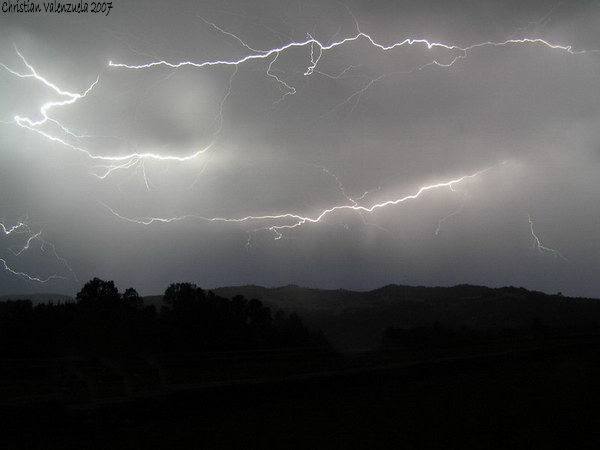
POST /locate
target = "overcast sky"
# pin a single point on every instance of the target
(363, 120)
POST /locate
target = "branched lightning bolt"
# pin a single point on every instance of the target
(45, 108)
(313, 43)
(227, 33)
(20, 228)
(59, 258)
(27, 243)
(115, 162)
(285, 88)
(537, 244)
(15, 228)
(317, 51)
(341, 74)
(353, 200)
(318, 48)
(276, 223)
(453, 213)
(28, 277)
(338, 183)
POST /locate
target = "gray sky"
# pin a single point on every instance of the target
(279, 136)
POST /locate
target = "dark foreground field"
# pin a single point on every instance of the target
(526, 393)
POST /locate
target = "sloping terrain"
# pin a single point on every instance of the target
(355, 320)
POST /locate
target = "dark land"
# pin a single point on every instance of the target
(248, 367)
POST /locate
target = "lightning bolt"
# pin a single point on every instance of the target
(46, 107)
(318, 48)
(276, 223)
(227, 33)
(27, 243)
(28, 277)
(116, 162)
(353, 200)
(537, 244)
(312, 42)
(20, 228)
(317, 51)
(453, 213)
(15, 228)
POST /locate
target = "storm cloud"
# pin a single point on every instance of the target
(366, 126)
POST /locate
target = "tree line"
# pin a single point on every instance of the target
(104, 321)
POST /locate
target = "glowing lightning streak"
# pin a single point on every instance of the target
(26, 246)
(353, 200)
(127, 160)
(12, 229)
(537, 244)
(59, 258)
(217, 120)
(29, 277)
(342, 190)
(341, 74)
(423, 189)
(315, 56)
(451, 214)
(339, 184)
(317, 50)
(22, 227)
(283, 86)
(227, 33)
(296, 219)
(325, 47)
(72, 97)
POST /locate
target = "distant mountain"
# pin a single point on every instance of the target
(296, 297)
(38, 298)
(354, 320)
(342, 301)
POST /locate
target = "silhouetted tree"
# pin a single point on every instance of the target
(182, 295)
(106, 323)
(132, 298)
(97, 290)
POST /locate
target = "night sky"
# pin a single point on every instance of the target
(202, 147)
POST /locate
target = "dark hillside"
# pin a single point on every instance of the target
(355, 320)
